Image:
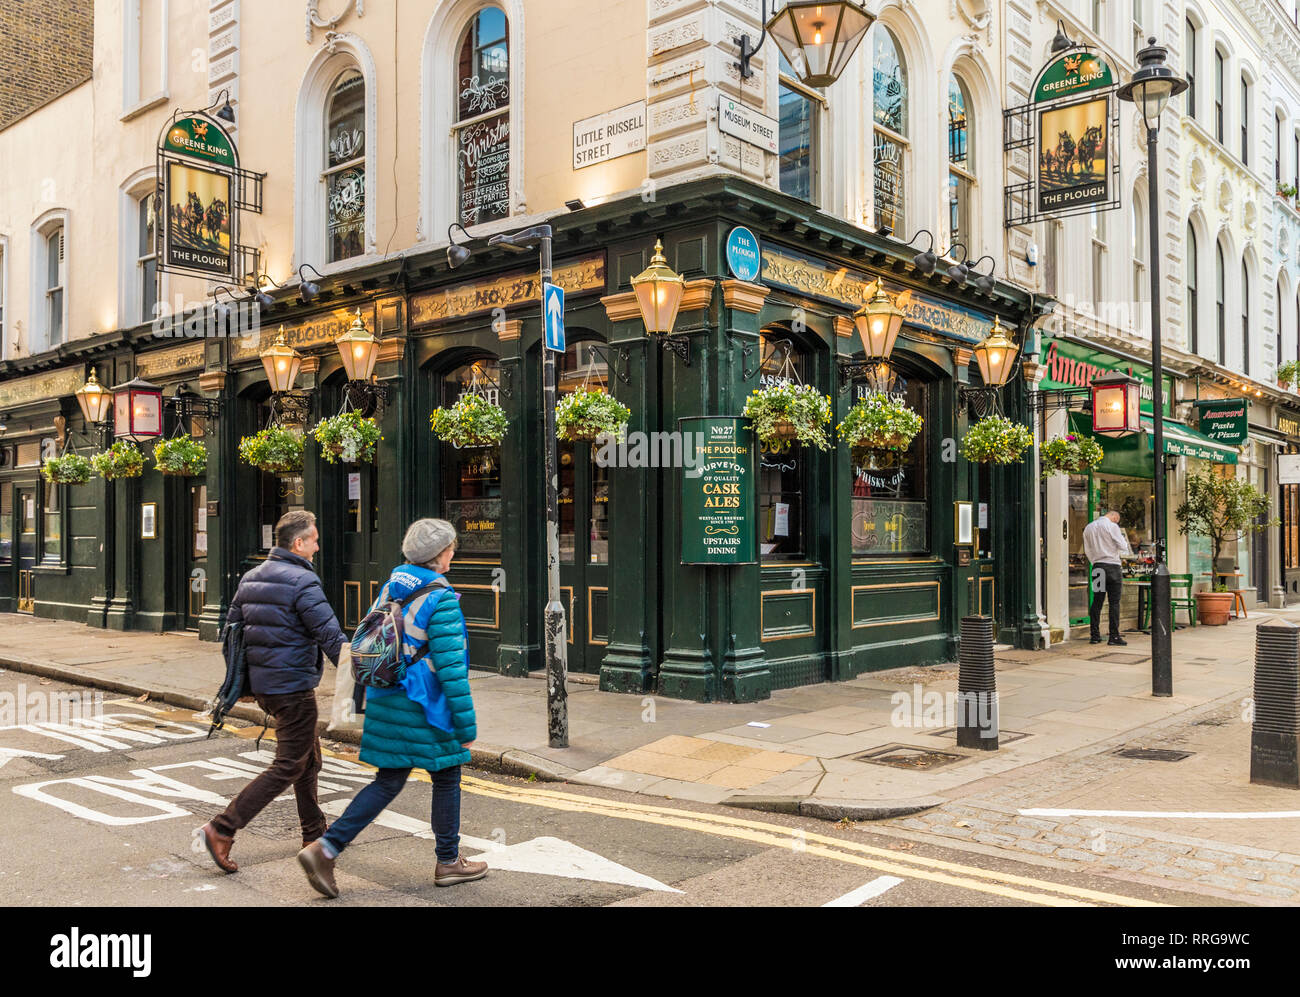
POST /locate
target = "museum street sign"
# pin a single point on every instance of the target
(718, 492)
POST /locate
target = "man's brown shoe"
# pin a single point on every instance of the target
(460, 871)
(319, 868)
(218, 846)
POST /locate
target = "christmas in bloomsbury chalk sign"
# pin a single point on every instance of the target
(718, 492)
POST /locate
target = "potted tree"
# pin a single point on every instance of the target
(1070, 454)
(789, 412)
(879, 426)
(183, 456)
(586, 415)
(122, 460)
(471, 421)
(349, 436)
(1286, 373)
(70, 469)
(995, 439)
(1221, 509)
(274, 449)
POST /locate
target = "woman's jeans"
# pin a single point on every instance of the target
(368, 804)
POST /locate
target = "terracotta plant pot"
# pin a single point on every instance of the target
(785, 430)
(1212, 608)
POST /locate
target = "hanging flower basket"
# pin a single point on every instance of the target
(70, 469)
(586, 415)
(789, 412)
(274, 449)
(1286, 374)
(996, 440)
(350, 437)
(183, 456)
(1070, 455)
(879, 425)
(472, 421)
(122, 460)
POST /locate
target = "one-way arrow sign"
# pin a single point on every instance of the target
(553, 314)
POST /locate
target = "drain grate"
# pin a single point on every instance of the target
(909, 756)
(1004, 736)
(1154, 754)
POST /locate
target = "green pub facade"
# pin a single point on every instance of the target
(757, 568)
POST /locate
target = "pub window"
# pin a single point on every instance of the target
(482, 129)
(277, 494)
(961, 162)
(146, 264)
(582, 367)
(890, 119)
(799, 108)
(783, 464)
(1189, 66)
(344, 176)
(471, 476)
(1193, 302)
(1220, 309)
(1218, 95)
(51, 524)
(889, 498)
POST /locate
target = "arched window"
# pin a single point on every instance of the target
(146, 266)
(483, 119)
(1189, 65)
(1277, 346)
(1218, 94)
(1193, 306)
(1277, 147)
(890, 115)
(1220, 310)
(344, 175)
(471, 476)
(961, 162)
(1245, 318)
(1245, 121)
(1138, 238)
(800, 107)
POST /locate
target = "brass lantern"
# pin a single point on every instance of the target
(95, 400)
(996, 355)
(1115, 404)
(818, 39)
(359, 350)
(281, 362)
(879, 320)
(137, 411)
(659, 293)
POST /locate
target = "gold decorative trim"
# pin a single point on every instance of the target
(41, 386)
(511, 328)
(962, 356)
(517, 288)
(374, 591)
(1032, 371)
(212, 381)
(621, 307)
(310, 365)
(318, 331)
(350, 620)
(744, 296)
(843, 325)
(462, 560)
(903, 560)
(156, 363)
(26, 601)
(938, 592)
(496, 606)
(391, 348)
(698, 294)
(993, 594)
(762, 626)
(594, 588)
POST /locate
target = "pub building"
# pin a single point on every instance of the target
(853, 570)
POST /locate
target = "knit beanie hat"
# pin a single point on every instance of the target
(426, 539)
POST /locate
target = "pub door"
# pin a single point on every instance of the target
(25, 498)
(364, 571)
(584, 554)
(193, 577)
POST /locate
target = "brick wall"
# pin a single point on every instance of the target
(46, 48)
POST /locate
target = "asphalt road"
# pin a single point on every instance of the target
(100, 808)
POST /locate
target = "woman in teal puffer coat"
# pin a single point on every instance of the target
(428, 722)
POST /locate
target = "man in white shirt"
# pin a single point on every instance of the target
(1104, 544)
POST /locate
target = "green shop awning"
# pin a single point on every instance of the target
(1131, 456)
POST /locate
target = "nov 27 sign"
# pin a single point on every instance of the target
(718, 492)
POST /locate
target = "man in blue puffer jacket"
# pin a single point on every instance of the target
(427, 722)
(288, 627)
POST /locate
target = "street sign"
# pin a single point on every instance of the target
(748, 125)
(608, 136)
(553, 315)
(1224, 420)
(718, 492)
(1288, 469)
(744, 258)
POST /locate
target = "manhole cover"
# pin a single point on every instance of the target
(1004, 736)
(1154, 754)
(908, 756)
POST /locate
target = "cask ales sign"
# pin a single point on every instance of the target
(718, 491)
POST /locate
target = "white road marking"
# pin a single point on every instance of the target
(856, 898)
(543, 856)
(6, 754)
(1172, 814)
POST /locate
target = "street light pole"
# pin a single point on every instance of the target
(1150, 89)
(557, 696)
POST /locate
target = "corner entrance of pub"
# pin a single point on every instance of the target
(25, 501)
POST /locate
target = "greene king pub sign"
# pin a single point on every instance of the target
(1072, 99)
(718, 492)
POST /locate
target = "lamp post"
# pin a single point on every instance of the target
(1150, 89)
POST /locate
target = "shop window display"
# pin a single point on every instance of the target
(471, 476)
(889, 506)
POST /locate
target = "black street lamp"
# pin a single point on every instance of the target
(1150, 89)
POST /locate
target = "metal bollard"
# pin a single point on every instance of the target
(1275, 733)
(977, 687)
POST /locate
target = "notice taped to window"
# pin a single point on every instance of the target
(718, 492)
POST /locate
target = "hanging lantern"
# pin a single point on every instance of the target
(281, 362)
(1115, 401)
(137, 411)
(878, 321)
(359, 350)
(95, 400)
(996, 355)
(659, 294)
(819, 39)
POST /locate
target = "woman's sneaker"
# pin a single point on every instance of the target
(460, 871)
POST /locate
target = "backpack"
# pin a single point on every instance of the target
(377, 658)
(236, 682)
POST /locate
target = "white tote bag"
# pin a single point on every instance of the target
(342, 716)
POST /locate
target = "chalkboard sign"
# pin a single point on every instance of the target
(718, 491)
(483, 155)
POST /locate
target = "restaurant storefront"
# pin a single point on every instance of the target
(854, 568)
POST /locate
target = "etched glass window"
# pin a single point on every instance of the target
(890, 115)
(345, 167)
(471, 476)
(889, 502)
(961, 163)
(483, 119)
